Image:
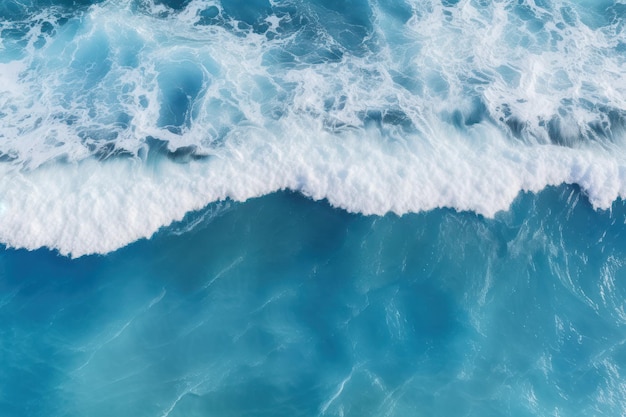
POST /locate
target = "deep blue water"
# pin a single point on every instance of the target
(312, 207)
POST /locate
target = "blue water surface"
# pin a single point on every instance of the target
(285, 306)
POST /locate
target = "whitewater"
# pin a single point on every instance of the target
(119, 117)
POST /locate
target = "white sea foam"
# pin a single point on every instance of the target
(451, 107)
(96, 207)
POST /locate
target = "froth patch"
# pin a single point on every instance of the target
(193, 72)
(97, 207)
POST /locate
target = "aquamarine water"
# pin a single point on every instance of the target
(284, 306)
(312, 208)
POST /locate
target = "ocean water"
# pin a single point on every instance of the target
(312, 208)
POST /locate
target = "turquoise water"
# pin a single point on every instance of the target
(312, 208)
(284, 306)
